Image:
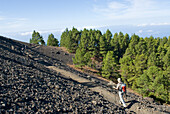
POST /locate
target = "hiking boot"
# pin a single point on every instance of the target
(125, 106)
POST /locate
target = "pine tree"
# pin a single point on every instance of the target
(103, 46)
(126, 41)
(84, 40)
(63, 38)
(109, 65)
(74, 39)
(87, 59)
(97, 45)
(68, 42)
(141, 46)
(91, 44)
(140, 64)
(121, 44)
(108, 37)
(161, 51)
(166, 81)
(168, 42)
(166, 59)
(133, 42)
(126, 68)
(78, 60)
(152, 60)
(37, 38)
(52, 41)
(42, 42)
(115, 46)
(150, 45)
(163, 41)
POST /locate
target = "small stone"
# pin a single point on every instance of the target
(66, 54)
(57, 52)
(94, 102)
(3, 105)
(11, 110)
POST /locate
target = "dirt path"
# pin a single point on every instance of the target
(133, 107)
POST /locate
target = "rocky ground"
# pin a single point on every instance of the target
(36, 78)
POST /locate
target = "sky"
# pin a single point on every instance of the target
(18, 18)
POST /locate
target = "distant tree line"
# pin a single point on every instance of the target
(38, 39)
(143, 63)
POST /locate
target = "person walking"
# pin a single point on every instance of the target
(121, 87)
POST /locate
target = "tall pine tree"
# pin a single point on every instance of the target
(52, 41)
(37, 38)
(109, 65)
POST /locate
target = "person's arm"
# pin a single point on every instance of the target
(116, 87)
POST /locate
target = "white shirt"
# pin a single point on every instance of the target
(119, 85)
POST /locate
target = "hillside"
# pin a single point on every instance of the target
(36, 78)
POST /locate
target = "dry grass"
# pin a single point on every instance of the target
(92, 71)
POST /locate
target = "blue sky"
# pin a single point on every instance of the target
(18, 18)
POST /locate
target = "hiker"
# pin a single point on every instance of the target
(121, 87)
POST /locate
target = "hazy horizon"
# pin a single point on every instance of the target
(19, 18)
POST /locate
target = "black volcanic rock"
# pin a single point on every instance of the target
(27, 86)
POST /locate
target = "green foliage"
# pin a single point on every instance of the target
(87, 59)
(63, 38)
(150, 42)
(115, 46)
(144, 62)
(108, 36)
(103, 46)
(167, 84)
(166, 59)
(78, 60)
(84, 40)
(140, 64)
(36, 38)
(109, 65)
(141, 46)
(144, 66)
(126, 67)
(153, 83)
(91, 44)
(74, 38)
(152, 59)
(52, 41)
(70, 39)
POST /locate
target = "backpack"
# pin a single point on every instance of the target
(123, 88)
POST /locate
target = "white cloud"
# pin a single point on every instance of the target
(149, 31)
(9, 24)
(134, 11)
(140, 31)
(89, 27)
(142, 25)
(41, 32)
(22, 19)
(92, 27)
(153, 24)
(25, 33)
(128, 7)
(116, 5)
(84, 27)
